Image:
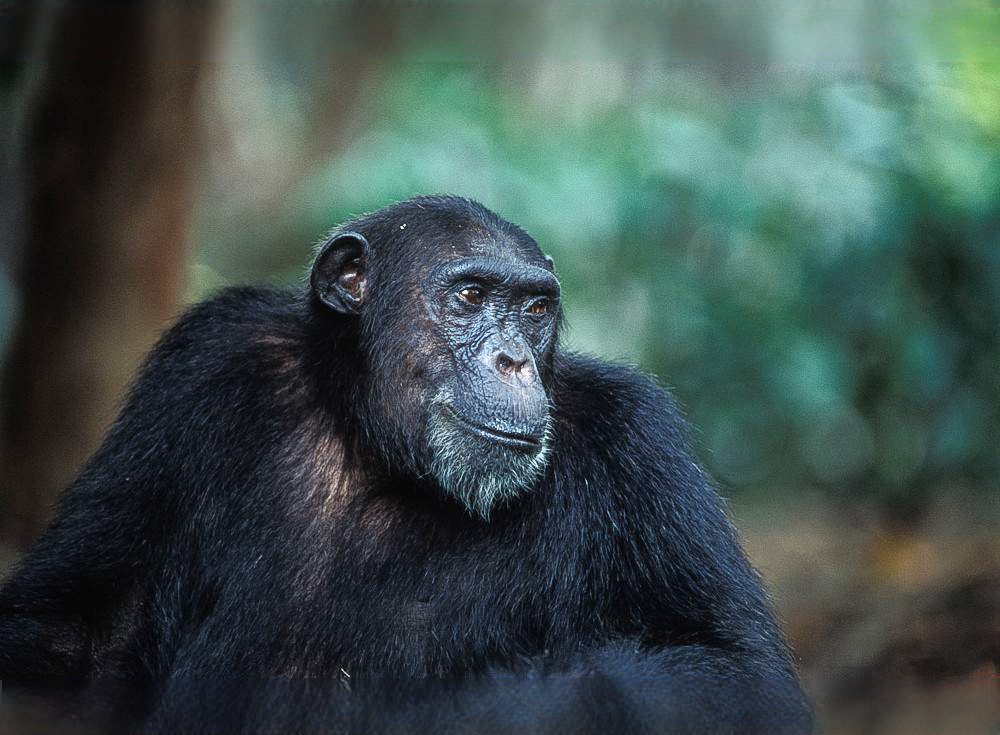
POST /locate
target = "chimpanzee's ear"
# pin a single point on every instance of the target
(339, 273)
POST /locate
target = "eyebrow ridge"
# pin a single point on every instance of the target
(525, 275)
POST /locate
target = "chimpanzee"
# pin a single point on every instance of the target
(391, 503)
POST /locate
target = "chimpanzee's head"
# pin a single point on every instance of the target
(458, 312)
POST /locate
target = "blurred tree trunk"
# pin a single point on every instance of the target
(110, 146)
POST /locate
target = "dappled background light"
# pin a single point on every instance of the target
(788, 211)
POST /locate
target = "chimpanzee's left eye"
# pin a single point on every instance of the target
(472, 295)
(539, 307)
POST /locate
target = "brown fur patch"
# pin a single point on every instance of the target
(334, 486)
(323, 473)
(281, 352)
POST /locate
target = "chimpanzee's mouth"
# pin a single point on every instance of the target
(515, 440)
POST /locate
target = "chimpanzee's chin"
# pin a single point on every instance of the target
(480, 470)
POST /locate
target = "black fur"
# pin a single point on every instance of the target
(250, 550)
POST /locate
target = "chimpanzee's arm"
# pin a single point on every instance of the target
(70, 585)
(620, 689)
(86, 583)
(710, 656)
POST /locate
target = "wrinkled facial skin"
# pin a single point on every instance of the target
(488, 421)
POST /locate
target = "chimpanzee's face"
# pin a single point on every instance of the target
(494, 323)
(459, 326)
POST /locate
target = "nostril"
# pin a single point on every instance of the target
(505, 365)
(508, 367)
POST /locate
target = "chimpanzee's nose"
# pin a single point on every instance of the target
(515, 363)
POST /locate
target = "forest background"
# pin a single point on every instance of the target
(787, 210)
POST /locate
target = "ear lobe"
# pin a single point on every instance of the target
(339, 273)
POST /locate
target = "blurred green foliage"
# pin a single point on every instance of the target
(792, 217)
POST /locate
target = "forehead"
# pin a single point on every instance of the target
(485, 245)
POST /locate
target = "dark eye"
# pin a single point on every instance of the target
(472, 295)
(539, 307)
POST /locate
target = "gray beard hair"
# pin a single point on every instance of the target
(481, 478)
